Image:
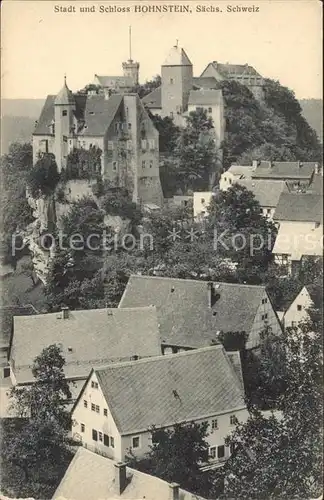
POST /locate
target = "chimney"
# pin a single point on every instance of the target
(213, 297)
(120, 477)
(300, 164)
(174, 491)
(65, 313)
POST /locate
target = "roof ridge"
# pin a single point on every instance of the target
(127, 309)
(165, 278)
(152, 359)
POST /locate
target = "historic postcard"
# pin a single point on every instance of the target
(161, 250)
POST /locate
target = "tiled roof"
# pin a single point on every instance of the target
(97, 112)
(205, 82)
(177, 57)
(241, 170)
(153, 99)
(234, 70)
(184, 314)
(303, 207)
(205, 97)
(267, 193)
(122, 81)
(64, 96)
(163, 390)
(235, 359)
(7, 314)
(95, 336)
(284, 170)
(92, 477)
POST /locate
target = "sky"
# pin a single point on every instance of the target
(282, 41)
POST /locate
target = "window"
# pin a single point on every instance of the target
(212, 452)
(110, 145)
(93, 407)
(94, 384)
(85, 403)
(264, 301)
(293, 324)
(299, 307)
(202, 200)
(82, 428)
(230, 181)
(116, 127)
(269, 211)
(143, 163)
(97, 409)
(64, 112)
(151, 163)
(214, 424)
(225, 179)
(210, 110)
(171, 81)
(70, 142)
(94, 435)
(199, 109)
(64, 138)
(106, 440)
(105, 412)
(232, 419)
(112, 442)
(136, 442)
(114, 166)
(100, 436)
(221, 451)
(129, 126)
(152, 143)
(143, 144)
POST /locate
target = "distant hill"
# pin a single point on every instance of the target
(18, 118)
(313, 112)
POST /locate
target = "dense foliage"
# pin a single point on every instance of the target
(41, 448)
(16, 213)
(43, 176)
(82, 164)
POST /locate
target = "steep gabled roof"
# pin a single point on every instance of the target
(92, 477)
(177, 57)
(86, 338)
(163, 390)
(95, 111)
(233, 70)
(266, 192)
(7, 314)
(303, 207)
(184, 313)
(205, 97)
(153, 99)
(65, 96)
(285, 170)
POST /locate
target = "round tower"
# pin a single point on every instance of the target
(64, 107)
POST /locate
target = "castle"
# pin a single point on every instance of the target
(113, 118)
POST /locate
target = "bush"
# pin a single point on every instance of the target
(44, 176)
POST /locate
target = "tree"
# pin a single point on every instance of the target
(243, 234)
(147, 87)
(176, 456)
(197, 158)
(43, 177)
(28, 269)
(168, 133)
(233, 341)
(42, 445)
(281, 456)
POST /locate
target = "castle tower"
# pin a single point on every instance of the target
(64, 105)
(176, 73)
(130, 67)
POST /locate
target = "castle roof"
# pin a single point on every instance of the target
(205, 97)
(285, 170)
(111, 81)
(153, 99)
(64, 96)
(94, 112)
(177, 57)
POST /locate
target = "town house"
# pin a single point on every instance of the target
(86, 338)
(192, 313)
(123, 405)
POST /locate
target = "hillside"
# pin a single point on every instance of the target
(15, 129)
(313, 112)
(29, 108)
